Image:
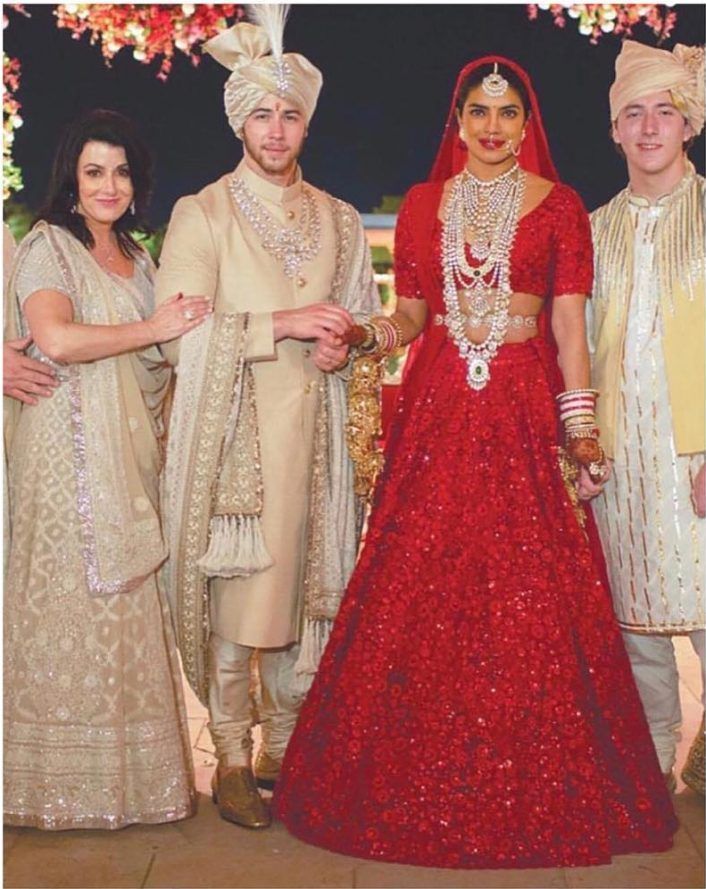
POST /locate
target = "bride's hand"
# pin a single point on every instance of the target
(586, 487)
(588, 454)
(355, 335)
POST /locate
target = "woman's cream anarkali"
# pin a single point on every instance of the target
(95, 729)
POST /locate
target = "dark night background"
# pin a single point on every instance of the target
(388, 75)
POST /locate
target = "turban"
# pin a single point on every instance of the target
(259, 68)
(641, 70)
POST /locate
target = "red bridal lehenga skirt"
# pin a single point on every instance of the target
(475, 706)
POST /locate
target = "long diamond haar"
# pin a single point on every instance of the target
(491, 209)
(291, 246)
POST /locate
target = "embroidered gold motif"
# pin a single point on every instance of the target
(364, 423)
(227, 339)
(239, 488)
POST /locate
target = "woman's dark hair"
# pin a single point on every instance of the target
(475, 78)
(59, 205)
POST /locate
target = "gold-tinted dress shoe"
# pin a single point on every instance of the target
(235, 793)
(267, 770)
(693, 772)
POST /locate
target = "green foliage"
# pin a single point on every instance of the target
(18, 218)
(11, 175)
(382, 259)
(390, 204)
(152, 243)
(385, 292)
(392, 363)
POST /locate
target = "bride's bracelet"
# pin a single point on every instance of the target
(384, 336)
(577, 406)
(577, 412)
(588, 430)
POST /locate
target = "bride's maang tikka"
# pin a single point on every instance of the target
(494, 84)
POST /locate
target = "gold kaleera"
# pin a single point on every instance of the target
(364, 424)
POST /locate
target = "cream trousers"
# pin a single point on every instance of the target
(654, 667)
(234, 704)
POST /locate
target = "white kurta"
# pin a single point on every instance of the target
(652, 538)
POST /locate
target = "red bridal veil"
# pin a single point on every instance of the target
(534, 152)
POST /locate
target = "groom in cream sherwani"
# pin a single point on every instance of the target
(262, 520)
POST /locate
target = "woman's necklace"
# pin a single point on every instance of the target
(292, 246)
(491, 209)
(106, 255)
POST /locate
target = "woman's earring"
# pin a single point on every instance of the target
(132, 208)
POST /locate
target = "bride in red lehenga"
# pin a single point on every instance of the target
(475, 707)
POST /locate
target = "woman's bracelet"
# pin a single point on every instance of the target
(384, 336)
(577, 411)
(590, 430)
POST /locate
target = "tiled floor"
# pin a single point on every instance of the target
(208, 852)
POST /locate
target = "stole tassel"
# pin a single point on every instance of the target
(236, 547)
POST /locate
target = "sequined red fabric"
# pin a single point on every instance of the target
(475, 706)
(552, 253)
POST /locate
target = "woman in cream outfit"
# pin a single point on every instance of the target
(95, 730)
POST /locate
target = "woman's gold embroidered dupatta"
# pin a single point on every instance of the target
(115, 419)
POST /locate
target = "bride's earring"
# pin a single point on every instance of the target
(515, 152)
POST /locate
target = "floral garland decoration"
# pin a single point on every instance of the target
(11, 117)
(11, 120)
(598, 19)
(153, 30)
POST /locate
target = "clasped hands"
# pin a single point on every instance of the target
(326, 324)
(594, 469)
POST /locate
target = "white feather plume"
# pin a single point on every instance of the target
(271, 17)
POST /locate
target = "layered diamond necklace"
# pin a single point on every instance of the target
(491, 210)
(291, 246)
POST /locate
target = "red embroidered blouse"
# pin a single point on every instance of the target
(552, 253)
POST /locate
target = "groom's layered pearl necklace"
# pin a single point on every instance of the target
(491, 210)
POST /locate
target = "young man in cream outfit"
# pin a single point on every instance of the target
(649, 365)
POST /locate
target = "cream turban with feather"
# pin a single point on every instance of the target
(641, 70)
(253, 54)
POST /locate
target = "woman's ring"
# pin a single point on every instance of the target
(597, 471)
(188, 314)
